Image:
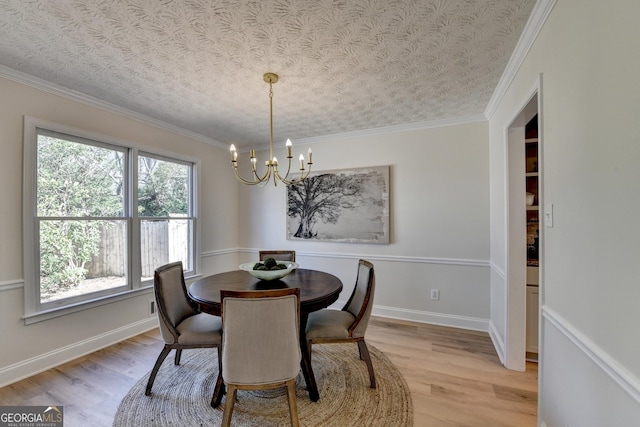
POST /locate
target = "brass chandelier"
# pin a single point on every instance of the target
(272, 163)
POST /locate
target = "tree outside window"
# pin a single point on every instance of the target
(82, 222)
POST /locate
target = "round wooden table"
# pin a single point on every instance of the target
(318, 290)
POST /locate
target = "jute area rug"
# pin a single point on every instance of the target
(181, 394)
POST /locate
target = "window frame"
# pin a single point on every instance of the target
(34, 310)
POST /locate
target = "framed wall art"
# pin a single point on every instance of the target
(346, 205)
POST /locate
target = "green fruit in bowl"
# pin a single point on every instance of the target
(269, 264)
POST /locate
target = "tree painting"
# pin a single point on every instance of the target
(343, 206)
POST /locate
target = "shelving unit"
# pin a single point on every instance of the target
(533, 217)
(533, 237)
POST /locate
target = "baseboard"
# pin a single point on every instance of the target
(498, 343)
(462, 322)
(40, 363)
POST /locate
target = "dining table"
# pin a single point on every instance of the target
(318, 290)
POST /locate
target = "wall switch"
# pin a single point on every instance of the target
(548, 215)
(435, 294)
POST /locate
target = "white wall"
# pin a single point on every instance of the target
(439, 222)
(28, 349)
(587, 53)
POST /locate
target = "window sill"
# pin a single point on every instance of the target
(41, 316)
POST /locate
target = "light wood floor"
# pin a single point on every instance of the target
(455, 378)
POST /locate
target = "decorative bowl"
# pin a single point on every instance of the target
(269, 274)
(530, 199)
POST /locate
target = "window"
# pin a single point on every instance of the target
(104, 217)
(166, 226)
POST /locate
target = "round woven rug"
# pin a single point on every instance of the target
(181, 394)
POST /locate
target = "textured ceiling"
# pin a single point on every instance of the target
(344, 65)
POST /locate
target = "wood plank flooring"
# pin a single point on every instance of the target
(455, 378)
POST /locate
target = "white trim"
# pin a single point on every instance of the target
(539, 15)
(609, 365)
(55, 89)
(40, 316)
(40, 363)
(498, 343)
(91, 101)
(515, 353)
(462, 322)
(11, 284)
(382, 258)
(407, 127)
(218, 252)
(500, 272)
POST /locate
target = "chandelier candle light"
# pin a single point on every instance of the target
(272, 163)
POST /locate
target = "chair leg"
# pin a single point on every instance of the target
(218, 391)
(178, 354)
(163, 355)
(364, 355)
(293, 408)
(228, 407)
(309, 344)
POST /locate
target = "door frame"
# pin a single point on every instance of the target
(515, 206)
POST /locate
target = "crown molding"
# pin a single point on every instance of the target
(55, 89)
(539, 15)
(68, 93)
(407, 127)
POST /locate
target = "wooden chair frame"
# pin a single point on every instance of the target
(362, 345)
(262, 255)
(162, 310)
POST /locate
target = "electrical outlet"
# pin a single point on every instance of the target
(152, 307)
(435, 294)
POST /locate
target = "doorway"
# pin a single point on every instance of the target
(524, 235)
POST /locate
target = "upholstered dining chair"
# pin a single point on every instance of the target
(350, 323)
(182, 326)
(260, 344)
(277, 255)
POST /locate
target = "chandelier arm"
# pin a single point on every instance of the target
(277, 174)
(243, 180)
(303, 175)
(267, 173)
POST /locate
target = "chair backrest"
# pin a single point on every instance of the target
(260, 335)
(278, 255)
(171, 299)
(360, 302)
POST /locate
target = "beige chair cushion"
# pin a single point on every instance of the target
(260, 340)
(329, 324)
(200, 329)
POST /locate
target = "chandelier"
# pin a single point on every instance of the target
(272, 163)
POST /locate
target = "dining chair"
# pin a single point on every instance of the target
(260, 344)
(349, 324)
(182, 326)
(277, 255)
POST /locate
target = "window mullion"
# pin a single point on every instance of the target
(135, 262)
